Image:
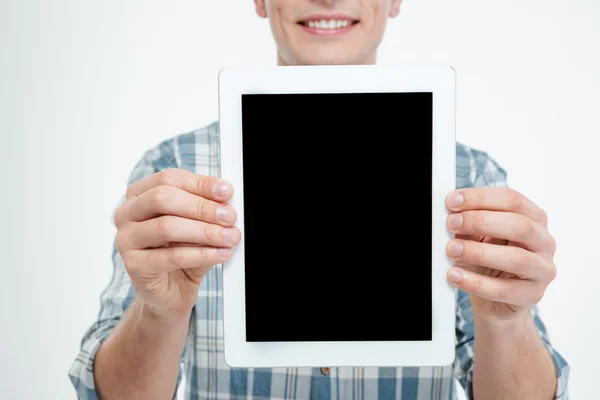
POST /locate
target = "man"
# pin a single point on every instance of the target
(163, 306)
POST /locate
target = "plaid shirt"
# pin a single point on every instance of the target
(205, 373)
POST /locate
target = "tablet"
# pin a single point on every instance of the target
(340, 175)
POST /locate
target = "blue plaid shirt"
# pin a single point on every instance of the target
(203, 369)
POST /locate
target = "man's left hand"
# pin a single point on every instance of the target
(502, 251)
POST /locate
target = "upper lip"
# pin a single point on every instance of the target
(327, 17)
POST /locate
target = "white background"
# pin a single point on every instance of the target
(86, 87)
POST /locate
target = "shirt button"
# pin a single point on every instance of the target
(325, 370)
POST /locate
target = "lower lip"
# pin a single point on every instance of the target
(328, 32)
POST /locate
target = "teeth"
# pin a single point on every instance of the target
(331, 24)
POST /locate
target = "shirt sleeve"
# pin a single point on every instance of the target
(487, 172)
(116, 297)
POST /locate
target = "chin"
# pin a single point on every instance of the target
(326, 61)
(327, 58)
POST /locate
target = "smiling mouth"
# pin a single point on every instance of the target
(328, 24)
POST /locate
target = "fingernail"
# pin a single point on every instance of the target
(221, 188)
(225, 214)
(225, 252)
(455, 275)
(230, 235)
(455, 200)
(455, 221)
(455, 249)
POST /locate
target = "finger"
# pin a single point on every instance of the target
(501, 225)
(166, 259)
(516, 260)
(168, 229)
(483, 239)
(511, 291)
(495, 199)
(120, 216)
(205, 186)
(492, 240)
(170, 200)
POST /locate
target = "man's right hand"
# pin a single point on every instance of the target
(172, 229)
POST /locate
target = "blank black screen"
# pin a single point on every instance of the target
(337, 216)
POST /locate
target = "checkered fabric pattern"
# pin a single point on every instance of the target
(207, 376)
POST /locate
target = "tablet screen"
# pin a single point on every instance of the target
(338, 216)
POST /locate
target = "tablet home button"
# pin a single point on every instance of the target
(325, 371)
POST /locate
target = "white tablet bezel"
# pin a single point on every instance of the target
(438, 79)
